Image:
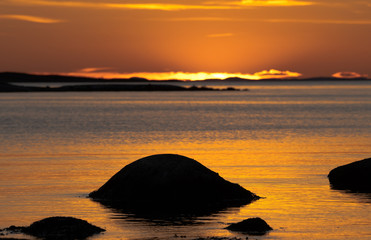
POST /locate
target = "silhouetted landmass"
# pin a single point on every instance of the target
(253, 226)
(170, 183)
(7, 87)
(355, 176)
(24, 77)
(237, 79)
(7, 238)
(128, 87)
(58, 228)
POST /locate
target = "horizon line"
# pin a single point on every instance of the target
(336, 76)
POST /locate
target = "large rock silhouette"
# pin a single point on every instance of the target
(355, 176)
(171, 182)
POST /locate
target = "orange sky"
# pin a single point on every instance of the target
(244, 37)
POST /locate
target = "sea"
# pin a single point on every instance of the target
(276, 139)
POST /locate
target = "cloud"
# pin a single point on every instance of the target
(349, 75)
(137, 6)
(269, 20)
(319, 21)
(95, 69)
(168, 6)
(105, 73)
(273, 73)
(264, 3)
(200, 19)
(28, 18)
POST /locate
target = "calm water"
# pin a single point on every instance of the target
(277, 140)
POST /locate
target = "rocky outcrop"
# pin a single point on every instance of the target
(170, 182)
(252, 226)
(355, 176)
(58, 228)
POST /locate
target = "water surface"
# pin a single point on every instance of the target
(278, 140)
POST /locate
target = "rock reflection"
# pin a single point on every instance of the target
(162, 217)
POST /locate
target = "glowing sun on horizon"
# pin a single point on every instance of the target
(105, 73)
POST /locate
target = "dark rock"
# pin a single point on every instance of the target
(253, 226)
(355, 176)
(11, 230)
(170, 182)
(66, 228)
(14, 229)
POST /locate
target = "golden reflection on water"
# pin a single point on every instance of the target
(290, 175)
(287, 167)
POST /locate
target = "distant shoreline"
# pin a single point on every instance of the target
(17, 82)
(12, 77)
(7, 87)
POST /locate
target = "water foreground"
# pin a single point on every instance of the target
(278, 141)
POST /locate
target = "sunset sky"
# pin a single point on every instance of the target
(121, 38)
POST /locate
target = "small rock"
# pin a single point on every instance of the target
(58, 228)
(253, 226)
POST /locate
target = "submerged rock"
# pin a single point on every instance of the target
(253, 226)
(66, 228)
(355, 176)
(171, 182)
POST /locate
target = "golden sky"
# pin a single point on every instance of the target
(252, 38)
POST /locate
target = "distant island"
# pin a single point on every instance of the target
(10, 82)
(12, 77)
(7, 87)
